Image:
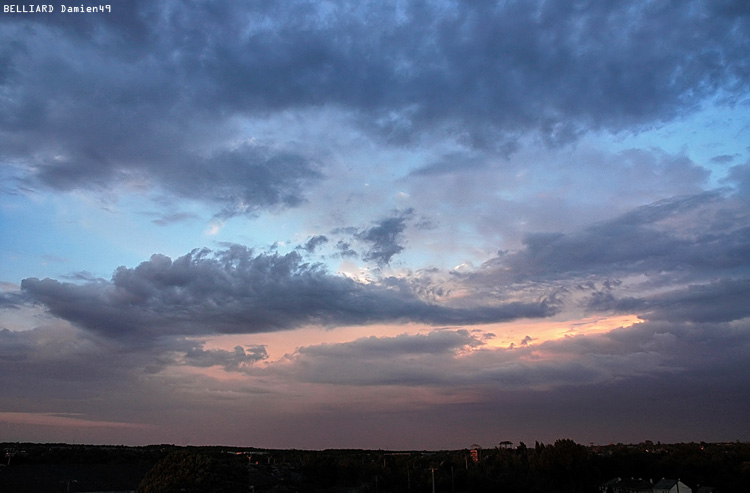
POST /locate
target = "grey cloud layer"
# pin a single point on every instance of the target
(236, 291)
(698, 246)
(701, 236)
(163, 99)
(723, 300)
(659, 351)
(402, 360)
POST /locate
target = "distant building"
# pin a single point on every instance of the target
(671, 486)
(632, 485)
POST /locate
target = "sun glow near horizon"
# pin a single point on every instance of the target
(509, 335)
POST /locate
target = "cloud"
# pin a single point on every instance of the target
(723, 158)
(175, 217)
(313, 243)
(404, 360)
(237, 291)
(456, 359)
(698, 235)
(237, 360)
(58, 361)
(435, 342)
(242, 180)
(739, 176)
(344, 249)
(166, 101)
(385, 237)
(245, 179)
(719, 301)
(681, 246)
(12, 299)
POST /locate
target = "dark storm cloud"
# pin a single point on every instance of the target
(161, 85)
(236, 291)
(385, 237)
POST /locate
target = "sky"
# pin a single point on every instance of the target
(375, 224)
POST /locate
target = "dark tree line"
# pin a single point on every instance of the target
(563, 466)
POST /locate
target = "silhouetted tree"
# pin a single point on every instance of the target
(194, 472)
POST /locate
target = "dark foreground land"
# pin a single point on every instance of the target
(564, 466)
